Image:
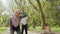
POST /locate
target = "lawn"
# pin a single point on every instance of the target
(2, 29)
(53, 29)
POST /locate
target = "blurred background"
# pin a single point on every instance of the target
(42, 14)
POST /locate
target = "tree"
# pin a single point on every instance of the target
(2, 7)
(40, 11)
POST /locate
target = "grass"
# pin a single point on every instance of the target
(53, 29)
(34, 29)
(38, 28)
(2, 29)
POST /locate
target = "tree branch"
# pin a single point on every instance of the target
(33, 5)
(17, 2)
(44, 4)
(38, 1)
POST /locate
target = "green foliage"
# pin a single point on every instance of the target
(52, 12)
(50, 8)
(3, 20)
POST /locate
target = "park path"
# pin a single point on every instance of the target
(7, 31)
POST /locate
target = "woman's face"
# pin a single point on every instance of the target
(17, 13)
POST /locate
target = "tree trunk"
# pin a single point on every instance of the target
(41, 15)
(33, 24)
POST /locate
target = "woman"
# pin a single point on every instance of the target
(14, 23)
